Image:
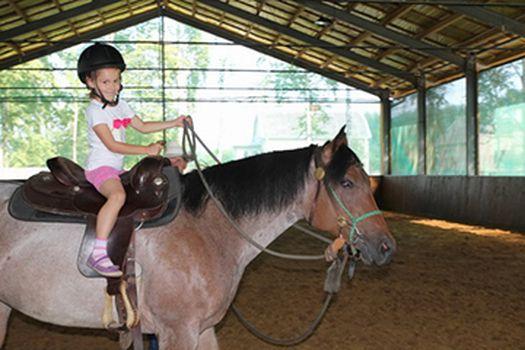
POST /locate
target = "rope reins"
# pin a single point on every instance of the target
(191, 140)
(334, 273)
(190, 137)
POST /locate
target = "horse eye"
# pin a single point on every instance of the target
(347, 183)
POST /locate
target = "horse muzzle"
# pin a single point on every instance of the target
(378, 252)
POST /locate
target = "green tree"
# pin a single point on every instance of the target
(374, 123)
(491, 98)
(290, 85)
(28, 123)
(39, 124)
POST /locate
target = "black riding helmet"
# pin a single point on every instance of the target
(99, 56)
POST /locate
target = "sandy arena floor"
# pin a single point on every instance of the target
(450, 286)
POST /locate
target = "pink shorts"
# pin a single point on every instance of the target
(99, 175)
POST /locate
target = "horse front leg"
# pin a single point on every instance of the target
(5, 311)
(205, 341)
(208, 340)
(180, 337)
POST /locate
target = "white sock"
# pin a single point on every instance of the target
(101, 249)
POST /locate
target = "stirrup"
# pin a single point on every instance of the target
(132, 316)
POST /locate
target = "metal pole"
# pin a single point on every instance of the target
(163, 70)
(472, 117)
(421, 126)
(386, 116)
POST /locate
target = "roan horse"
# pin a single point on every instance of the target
(192, 266)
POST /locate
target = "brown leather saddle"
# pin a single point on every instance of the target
(153, 196)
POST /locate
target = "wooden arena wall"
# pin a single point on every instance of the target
(489, 201)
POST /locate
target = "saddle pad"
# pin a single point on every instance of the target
(19, 209)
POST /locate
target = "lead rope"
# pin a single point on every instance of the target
(191, 156)
(334, 272)
(331, 287)
(190, 139)
(332, 284)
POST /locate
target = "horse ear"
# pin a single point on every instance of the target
(331, 147)
(341, 139)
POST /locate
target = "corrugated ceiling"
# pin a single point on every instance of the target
(382, 47)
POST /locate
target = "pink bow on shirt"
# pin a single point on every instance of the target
(117, 123)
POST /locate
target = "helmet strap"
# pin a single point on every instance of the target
(104, 100)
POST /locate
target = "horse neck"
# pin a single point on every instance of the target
(266, 227)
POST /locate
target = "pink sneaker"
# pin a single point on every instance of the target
(106, 271)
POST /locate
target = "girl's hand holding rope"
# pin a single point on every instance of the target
(154, 149)
(179, 122)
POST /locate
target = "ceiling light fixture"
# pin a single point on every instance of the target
(323, 22)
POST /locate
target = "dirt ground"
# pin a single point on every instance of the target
(450, 286)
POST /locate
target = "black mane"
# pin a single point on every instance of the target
(264, 183)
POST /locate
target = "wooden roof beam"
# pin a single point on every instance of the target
(300, 10)
(26, 18)
(318, 36)
(69, 22)
(62, 16)
(386, 20)
(258, 10)
(130, 7)
(329, 47)
(15, 47)
(288, 24)
(225, 34)
(435, 28)
(492, 18)
(77, 40)
(487, 35)
(441, 24)
(478, 39)
(101, 15)
(380, 30)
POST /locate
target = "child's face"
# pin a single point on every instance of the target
(107, 81)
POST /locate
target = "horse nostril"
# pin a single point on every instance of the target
(384, 251)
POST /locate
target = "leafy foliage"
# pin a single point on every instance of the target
(37, 124)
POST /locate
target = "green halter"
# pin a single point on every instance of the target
(354, 220)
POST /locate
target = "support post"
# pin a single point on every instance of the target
(421, 126)
(163, 72)
(472, 117)
(386, 116)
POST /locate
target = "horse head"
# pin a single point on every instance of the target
(344, 204)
